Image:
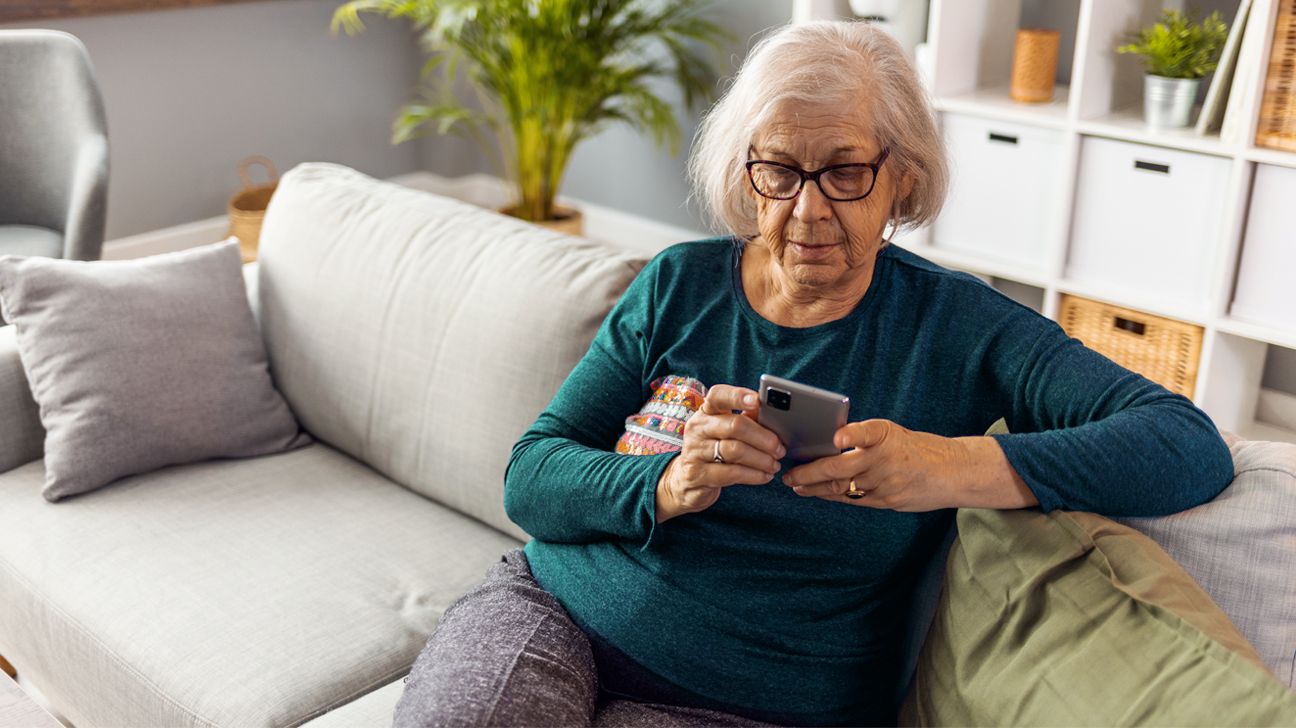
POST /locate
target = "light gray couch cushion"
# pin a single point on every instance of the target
(143, 363)
(1241, 548)
(242, 593)
(420, 334)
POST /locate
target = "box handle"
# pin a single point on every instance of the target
(1134, 327)
(1152, 166)
(1005, 138)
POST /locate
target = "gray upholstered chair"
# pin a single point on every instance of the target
(53, 147)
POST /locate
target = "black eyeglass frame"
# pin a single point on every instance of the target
(875, 166)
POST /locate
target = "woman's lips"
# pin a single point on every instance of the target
(812, 252)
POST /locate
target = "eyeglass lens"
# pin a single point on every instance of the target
(781, 183)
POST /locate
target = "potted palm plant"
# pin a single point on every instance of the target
(1177, 53)
(547, 74)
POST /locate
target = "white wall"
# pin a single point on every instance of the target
(191, 91)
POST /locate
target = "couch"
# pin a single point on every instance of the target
(416, 338)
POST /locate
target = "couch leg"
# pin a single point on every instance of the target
(8, 669)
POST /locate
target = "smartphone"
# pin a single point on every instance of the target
(805, 418)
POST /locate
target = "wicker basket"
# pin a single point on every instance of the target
(1277, 123)
(1034, 67)
(247, 207)
(1161, 349)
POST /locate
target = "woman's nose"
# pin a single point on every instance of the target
(811, 205)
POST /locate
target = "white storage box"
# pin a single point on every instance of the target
(1266, 280)
(993, 163)
(1147, 222)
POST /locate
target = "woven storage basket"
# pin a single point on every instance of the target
(1277, 123)
(247, 207)
(1161, 349)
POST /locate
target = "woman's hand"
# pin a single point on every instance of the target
(748, 452)
(902, 470)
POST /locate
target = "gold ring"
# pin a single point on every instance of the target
(853, 493)
(715, 458)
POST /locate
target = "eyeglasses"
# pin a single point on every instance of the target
(837, 182)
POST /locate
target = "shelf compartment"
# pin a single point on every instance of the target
(995, 103)
(1265, 293)
(974, 41)
(1147, 220)
(1128, 125)
(1233, 390)
(994, 161)
(1109, 82)
(1162, 349)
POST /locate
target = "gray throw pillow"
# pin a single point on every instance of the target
(1241, 548)
(143, 363)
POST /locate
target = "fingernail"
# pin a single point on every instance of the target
(789, 480)
(750, 400)
(782, 451)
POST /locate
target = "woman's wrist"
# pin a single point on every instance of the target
(666, 507)
(985, 478)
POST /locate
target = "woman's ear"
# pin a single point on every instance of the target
(906, 187)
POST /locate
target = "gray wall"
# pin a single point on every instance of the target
(189, 92)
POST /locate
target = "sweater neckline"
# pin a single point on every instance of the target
(875, 290)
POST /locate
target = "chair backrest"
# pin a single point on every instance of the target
(49, 104)
(420, 334)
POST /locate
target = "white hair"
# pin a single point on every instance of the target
(832, 64)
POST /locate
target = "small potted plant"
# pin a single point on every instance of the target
(548, 74)
(1177, 53)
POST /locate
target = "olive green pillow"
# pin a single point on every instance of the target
(1074, 619)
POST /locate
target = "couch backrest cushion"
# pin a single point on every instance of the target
(1241, 548)
(420, 334)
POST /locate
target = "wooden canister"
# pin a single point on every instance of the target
(1034, 65)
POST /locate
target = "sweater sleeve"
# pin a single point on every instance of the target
(1089, 435)
(564, 482)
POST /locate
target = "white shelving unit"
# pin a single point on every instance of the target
(1072, 149)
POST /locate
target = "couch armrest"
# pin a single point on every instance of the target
(22, 439)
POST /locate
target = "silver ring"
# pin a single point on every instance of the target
(716, 457)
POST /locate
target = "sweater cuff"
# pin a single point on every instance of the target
(1020, 448)
(648, 493)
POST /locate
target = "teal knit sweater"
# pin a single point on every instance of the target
(793, 605)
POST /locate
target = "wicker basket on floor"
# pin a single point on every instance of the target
(248, 206)
(1277, 123)
(1161, 349)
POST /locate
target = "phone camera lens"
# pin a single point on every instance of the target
(778, 399)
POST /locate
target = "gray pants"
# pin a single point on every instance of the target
(508, 654)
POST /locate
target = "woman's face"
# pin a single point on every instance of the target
(817, 241)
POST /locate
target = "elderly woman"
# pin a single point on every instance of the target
(704, 571)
